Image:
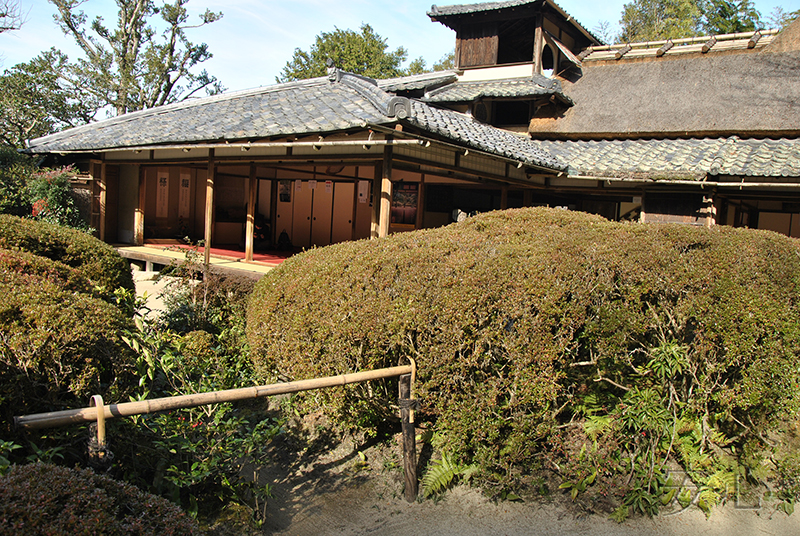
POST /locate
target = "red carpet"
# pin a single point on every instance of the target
(272, 258)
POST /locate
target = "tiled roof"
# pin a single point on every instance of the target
(417, 81)
(469, 9)
(679, 159)
(336, 103)
(510, 88)
(463, 128)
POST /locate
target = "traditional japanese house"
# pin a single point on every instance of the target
(702, 131)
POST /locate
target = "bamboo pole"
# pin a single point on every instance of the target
(127, 409)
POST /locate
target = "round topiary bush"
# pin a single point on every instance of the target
(97, 261)
(47, 499)
(57, 346)
(532, 322)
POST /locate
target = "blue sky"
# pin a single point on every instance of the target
(255, 38)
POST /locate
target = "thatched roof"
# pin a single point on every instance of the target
(735, 93)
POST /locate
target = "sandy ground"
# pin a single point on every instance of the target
(330, 495)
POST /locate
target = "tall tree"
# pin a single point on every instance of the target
(653, 20)
(34, 101)
(726, 16)
(361, 53)
(130, 67)
(11, 17)
(780, 19)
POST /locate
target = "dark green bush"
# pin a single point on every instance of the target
(16, 170)
(526, 321)
(40, 499)
(27, 268)
(57, 346)
(97, 261)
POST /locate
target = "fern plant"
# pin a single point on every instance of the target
(442, 474)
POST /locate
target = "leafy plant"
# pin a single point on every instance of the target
(442, 473)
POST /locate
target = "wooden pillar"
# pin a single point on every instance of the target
(504, 197)
(421, 203)
(103, 200)
(409, 439)
(251, 215)
(209, 207)
(538, 45)
(138, 217)
(382, 205)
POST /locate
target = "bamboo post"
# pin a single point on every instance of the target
(409, 438)
(97, 402)
(127, 409)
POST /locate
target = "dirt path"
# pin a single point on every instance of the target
(329, 489)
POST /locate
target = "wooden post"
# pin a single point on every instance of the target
(97, 401)
(251, 215)
(103, 200)
(209, 208)
(386, 192)
(138, 218)
(409, 439)
(504, 197)
(538, 44)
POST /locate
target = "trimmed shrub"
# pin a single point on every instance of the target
(48, 499)
(27, 268)
(97, 261)
(526, 321)
(57, 346)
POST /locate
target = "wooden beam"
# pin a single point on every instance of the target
(538, 44)
(209, 219)
(138, 217)
(251, 215)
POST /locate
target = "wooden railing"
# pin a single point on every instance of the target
(99, 412)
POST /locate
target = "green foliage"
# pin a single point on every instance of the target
(48, 499)
(49, 193)
(671, 343)
(34, 103)
(16, 170)
(130, 67)
(361, 53)
(96, 261)
(442, 473)
(652, 20)
(205, 457)
(780, 19)
(58, 344)
(726, 16)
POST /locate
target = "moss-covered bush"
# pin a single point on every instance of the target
(40, 499)
(97, 261)
(672, 343)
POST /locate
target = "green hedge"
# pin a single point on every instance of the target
(98, 261)
(58, 346)
(41, 499)
(527, 321)
(27, 267)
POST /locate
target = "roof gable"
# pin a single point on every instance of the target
(340, 102)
